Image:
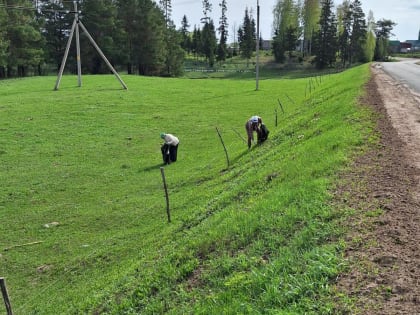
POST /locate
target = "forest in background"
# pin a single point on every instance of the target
(139, 36)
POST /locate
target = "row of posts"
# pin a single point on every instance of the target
(221, 139)
(162, 170)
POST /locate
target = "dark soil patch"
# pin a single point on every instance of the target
(383, 243)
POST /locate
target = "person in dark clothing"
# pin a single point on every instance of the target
(169, 148)
(263, 134)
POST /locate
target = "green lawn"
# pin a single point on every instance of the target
(257, 237)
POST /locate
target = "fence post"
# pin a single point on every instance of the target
(275, 110)
(224, 147)
(290, 99)
(281, 106)
(162, 171)
(5, 296)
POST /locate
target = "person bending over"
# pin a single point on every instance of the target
(253, 124)
(169, 148)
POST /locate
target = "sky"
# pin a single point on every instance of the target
(406, 13)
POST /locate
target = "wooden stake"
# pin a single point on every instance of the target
(5, 296)
(224, 147)
(162, 171)
(276, 115)
(281, 106)
(290, 99)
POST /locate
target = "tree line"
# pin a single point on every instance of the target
(133, 34)
(139, 36)
(332, 37)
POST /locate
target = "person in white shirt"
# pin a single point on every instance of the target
(169, 148)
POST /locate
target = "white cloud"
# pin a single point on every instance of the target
(405, 13)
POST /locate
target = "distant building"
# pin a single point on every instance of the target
(395, 46)
(415, 45)
(405, 47)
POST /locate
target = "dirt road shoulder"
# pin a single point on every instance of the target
(383, 188)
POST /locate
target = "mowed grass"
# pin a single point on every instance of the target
(257, 237)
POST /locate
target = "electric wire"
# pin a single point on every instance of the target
(39, 9)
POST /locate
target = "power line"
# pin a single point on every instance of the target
(17, 7)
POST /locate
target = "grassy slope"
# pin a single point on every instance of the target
(256, 238)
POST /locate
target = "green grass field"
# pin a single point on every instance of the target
(257, 237)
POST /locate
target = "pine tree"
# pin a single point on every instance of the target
(287, 28)
(209, 42)
(223, 31)
(326, 40)
(383, 32)
(207, 7)
(196, 42)
(344, 31)
(174, 54)
(208, 34)
(166, 6)
(4, 42)
(144, 28)
(25, 49)
(247, 36)
(149, 43)
(127, 22)
(100, 19)
(174, 58)
(57, 24)
(359, 32)
(185, 34)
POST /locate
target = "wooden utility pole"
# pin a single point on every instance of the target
(257, 67)
(75, 28)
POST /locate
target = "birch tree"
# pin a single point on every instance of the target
(310, 18)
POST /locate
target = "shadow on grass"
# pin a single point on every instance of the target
(238, 157)
(233, 161)
(152, 167)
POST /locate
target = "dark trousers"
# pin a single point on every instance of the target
(169, 153)
(262, 134)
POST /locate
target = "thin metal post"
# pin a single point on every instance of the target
(162, 171)
(275, 111)
(290, 99)
(224, 147)
(5, 296)
(102, 55)
(281, 106)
